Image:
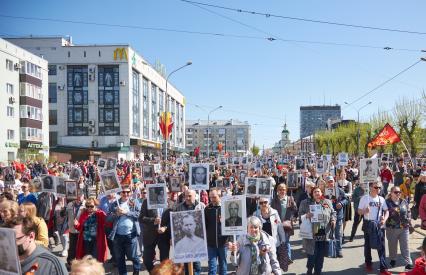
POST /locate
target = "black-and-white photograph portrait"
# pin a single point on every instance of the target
(174, 183)
(270, 163)
(226, 182)
(250, 188)
(243, 175)
(157, 168)
(37, 184)
(48, 183)
(292, 180)
(9, 261)
(369, 170)
(320, 166)
(75, 173)
(8, 176)
(244, 161)
(234, 210)
(60, 187)
(157, 195)
(211, 168)
(265, 187)
(236, 161)
(71, 189)
(219, 183)
(199, 175)
(343, 159)
(300, 164)
(188, 236)
(222, 161)
(148, 172)
(102, 164)
(110, 182)
(111, 164)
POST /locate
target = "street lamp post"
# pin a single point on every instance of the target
(167, 103)
(208, 127)
(358, 129)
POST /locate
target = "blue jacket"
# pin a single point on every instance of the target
(133, 214)
(343, 200)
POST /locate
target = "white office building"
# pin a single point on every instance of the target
(24, 131)
(104, 100)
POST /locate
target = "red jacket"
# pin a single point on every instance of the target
(386, 175)
(101, 242)
(419, 268)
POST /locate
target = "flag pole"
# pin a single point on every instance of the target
(409, 155)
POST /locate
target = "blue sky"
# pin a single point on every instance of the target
(255, 79)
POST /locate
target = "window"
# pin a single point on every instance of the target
(10, 134)
(109, 100)
(9, 65)
(52, 69)
(154, 111)
(10, 111)
(136, 105)
(30, 112)
(30, 90)
(53, 117)
(145, 108)
(77, 100)
(161, 101)
(53, 139)
(53, 93)
(32, 69)
(32, 134)
(9, 88)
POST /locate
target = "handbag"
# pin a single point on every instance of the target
(332, 251)
(288, 227)
(305, 231)
(282, 257)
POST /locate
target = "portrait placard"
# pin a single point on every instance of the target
(188, 236)
(369, 170)
(71, 189)
(234, 211)
(222, 161)
(111, 164)
(9, 260)
(174, 183)
(61, 190)
(48, 183)
(110, 182)
(101, 164)
(219, 183)
(264, 187)
(76, 173)
(157, 168)
(138, 165)
(320, 164)
(157, 195)
(300, 164)
(8, 176)
(250, 187)
(37, 184)
(292, 181)
(179, 162)
(243, 175)
(343, 159)
(226, 182)
(148, 172)
(235, 161)
(198, 176)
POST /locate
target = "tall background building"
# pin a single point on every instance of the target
(234, 135)
(24, 131)
(314, 118)
(105, 100)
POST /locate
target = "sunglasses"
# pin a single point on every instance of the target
(397, 192)
(90, 206)
(263, 202)
(125, 192)
(282, 189)
(377, 187)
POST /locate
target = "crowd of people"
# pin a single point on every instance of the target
(95, 227)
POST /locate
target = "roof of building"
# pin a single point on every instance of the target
(321, 107)
(230, 122)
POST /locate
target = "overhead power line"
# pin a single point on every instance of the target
(384, 83)
(268, 15)
(269, 38)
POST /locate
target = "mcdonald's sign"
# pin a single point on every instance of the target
(120, 53)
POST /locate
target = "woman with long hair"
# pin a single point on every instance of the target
(28, 209)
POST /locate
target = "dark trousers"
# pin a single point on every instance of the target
(196, 267)
(90, 248)
(357, 220)
(149, 252)
(72, 247)
(380, 251)
(126, 245)
(110, 243)
(316, 261)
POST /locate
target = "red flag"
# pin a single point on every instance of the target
(197, 151)
(166, 124)
(220, 147)
(386, 136)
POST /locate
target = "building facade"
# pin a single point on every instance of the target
(284, 142)
(24, 106)
(234, 135)
(105, 100)
(314, 118)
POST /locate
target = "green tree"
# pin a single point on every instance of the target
(255, 150)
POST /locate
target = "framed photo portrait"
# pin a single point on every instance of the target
(61, 190)
(234, 210)
(222, 161)
(250, 187)
(174, 183)
(300, 164)
(369, 170)
(76, 173)
(48, 183)
(102, 164)
(156, 195)
(264, 187)
(343, 159)
(292, 180)
(9, 260)
(148, 172)
(71, 189)
(199, 176)
(110, 182)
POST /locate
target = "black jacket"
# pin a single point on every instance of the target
(149, 230)
(214, 226)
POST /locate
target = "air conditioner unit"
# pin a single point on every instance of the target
(91, 122)
(12, 100)
(92, 77)
(94, 143)
(61, 67)
(122, 83)
(17, 66)
(61, 87)
(92, 130)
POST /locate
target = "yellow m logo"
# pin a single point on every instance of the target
(120, 53)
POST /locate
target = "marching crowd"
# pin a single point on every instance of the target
(88, 227)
